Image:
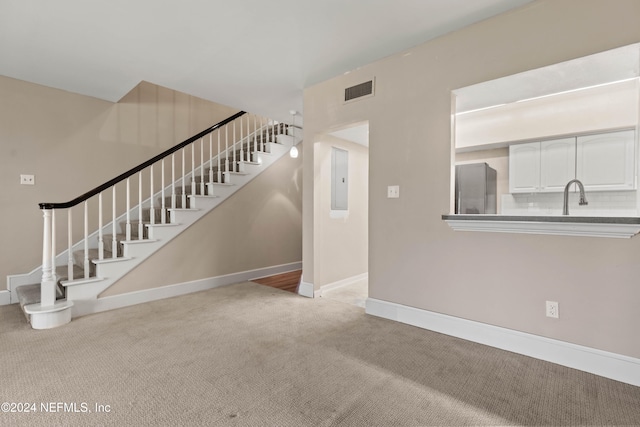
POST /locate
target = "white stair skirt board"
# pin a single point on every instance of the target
(5, 297)
(340, 284)
(89, 306)
(609, 365)
(305, 289)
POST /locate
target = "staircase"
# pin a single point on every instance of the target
(201, 172)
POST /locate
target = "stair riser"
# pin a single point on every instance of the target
(134, 230)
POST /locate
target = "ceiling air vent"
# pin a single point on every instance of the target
(358, 91)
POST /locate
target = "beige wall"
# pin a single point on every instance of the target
(259, 226)
(415, 259)
(342, 244)
(72, 143)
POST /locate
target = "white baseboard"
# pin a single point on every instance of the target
(610, 365)
(340, 283)
(5, 297)
(305, 289)
(84, 307)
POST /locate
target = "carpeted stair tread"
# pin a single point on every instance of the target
(30, 294)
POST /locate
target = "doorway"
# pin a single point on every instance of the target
(341, 162)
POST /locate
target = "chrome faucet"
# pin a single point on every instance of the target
(583, 199)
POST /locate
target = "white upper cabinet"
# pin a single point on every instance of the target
(557, 163)
(602, 162)
(607, 161)
(524, 168)
(542, 166)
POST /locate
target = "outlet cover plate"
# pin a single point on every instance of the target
(552, 309)
(27, 180)
(393, 191)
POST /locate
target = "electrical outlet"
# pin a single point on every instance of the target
(552, 309)
(393, 191)
(27, 180)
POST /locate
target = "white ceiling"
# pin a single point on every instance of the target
(254, 55)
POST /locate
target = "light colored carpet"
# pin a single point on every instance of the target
(354, 293)
(250, 355)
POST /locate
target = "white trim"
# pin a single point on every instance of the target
(89, 306)
(305, 289)
(5, 297)
(610, 365)
(554, 228)
(340, 283)
(277, 269)
(338, 213)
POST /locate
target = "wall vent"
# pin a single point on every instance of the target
(358, 91)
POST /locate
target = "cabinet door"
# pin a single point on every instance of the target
(524, 168)
(607, 161)
(557, 163)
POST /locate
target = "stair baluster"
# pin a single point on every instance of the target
(70, 245)
(114, 238)
(128, 225)
(173, 181)
(193, 169)
(202, 166)
(53, 246)
(100, 232)
(275, 131)
(219, 161)
(163, 207)
(211, 157)
(184, 183)
(140, 224)
(233, 147)
(248, 140)
(86, 239)
(226, 154)
(241, 162)
(264, 131)
(152, 213)
(255, 139)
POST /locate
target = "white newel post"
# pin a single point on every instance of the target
(48, 313)
(48, 283)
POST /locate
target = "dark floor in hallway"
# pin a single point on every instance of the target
(285, 281)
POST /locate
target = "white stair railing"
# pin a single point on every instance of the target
(263, 130)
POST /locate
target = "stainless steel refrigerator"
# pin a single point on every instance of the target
(475, 189)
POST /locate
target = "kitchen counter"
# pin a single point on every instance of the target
(565, 225)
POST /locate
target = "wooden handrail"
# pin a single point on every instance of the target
(138, 168)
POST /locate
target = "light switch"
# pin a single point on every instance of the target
(393, 191)
(27, 180)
